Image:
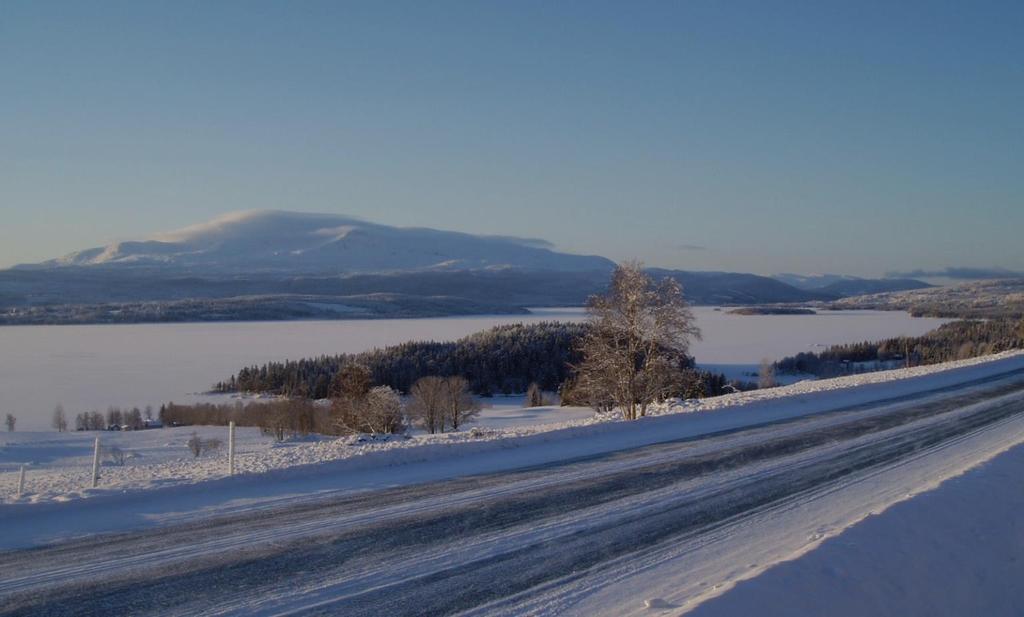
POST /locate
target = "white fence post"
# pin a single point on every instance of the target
(96, 463)
(231, 448)
(21, 482)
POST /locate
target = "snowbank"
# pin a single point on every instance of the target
(952, 551)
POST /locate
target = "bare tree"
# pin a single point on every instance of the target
(766, 374)
(459, 404)
(383, 411)
(534, 396)
(349, 389)
(133, 419)
(634, 351)
(275, 421)
(115, 455)
(60, 419)
(575, 393)
(195, 445)
(427, 403)
(114, 417)
(378, 412)
(358, 407)
(347, 415)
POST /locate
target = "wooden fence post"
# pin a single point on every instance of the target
(96, 462)
(231, 448)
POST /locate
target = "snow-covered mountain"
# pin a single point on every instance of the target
(320, 243)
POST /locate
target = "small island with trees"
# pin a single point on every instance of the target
(771, 310)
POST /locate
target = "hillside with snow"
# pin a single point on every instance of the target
(270, 240)
(842, 285)
(972, 299)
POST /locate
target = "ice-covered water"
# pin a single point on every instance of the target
(91, 367)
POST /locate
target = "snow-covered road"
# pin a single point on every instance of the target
(674, 523)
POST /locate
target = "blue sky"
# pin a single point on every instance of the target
(853, 137)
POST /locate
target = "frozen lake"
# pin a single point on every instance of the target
(92, 367)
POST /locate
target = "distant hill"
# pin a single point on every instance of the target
(841, 285)
(509, 287)
(713, 288)
(860, 287)
(994, 299)
(812, 281)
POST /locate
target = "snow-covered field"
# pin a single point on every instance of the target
(59, 465)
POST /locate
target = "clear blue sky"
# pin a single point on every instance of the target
(855, 137)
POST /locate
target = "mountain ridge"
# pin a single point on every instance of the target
(284, 241)
(286, 265)
(843, 285)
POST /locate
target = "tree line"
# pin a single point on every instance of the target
(133, 419)
(436, 404)
(504, 359)
(956, 340)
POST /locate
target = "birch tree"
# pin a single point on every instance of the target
(635, 350)
(60, 419)
(534, 396)
(459, 404)
(427, 403)
(766, 374)
(383, 411)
